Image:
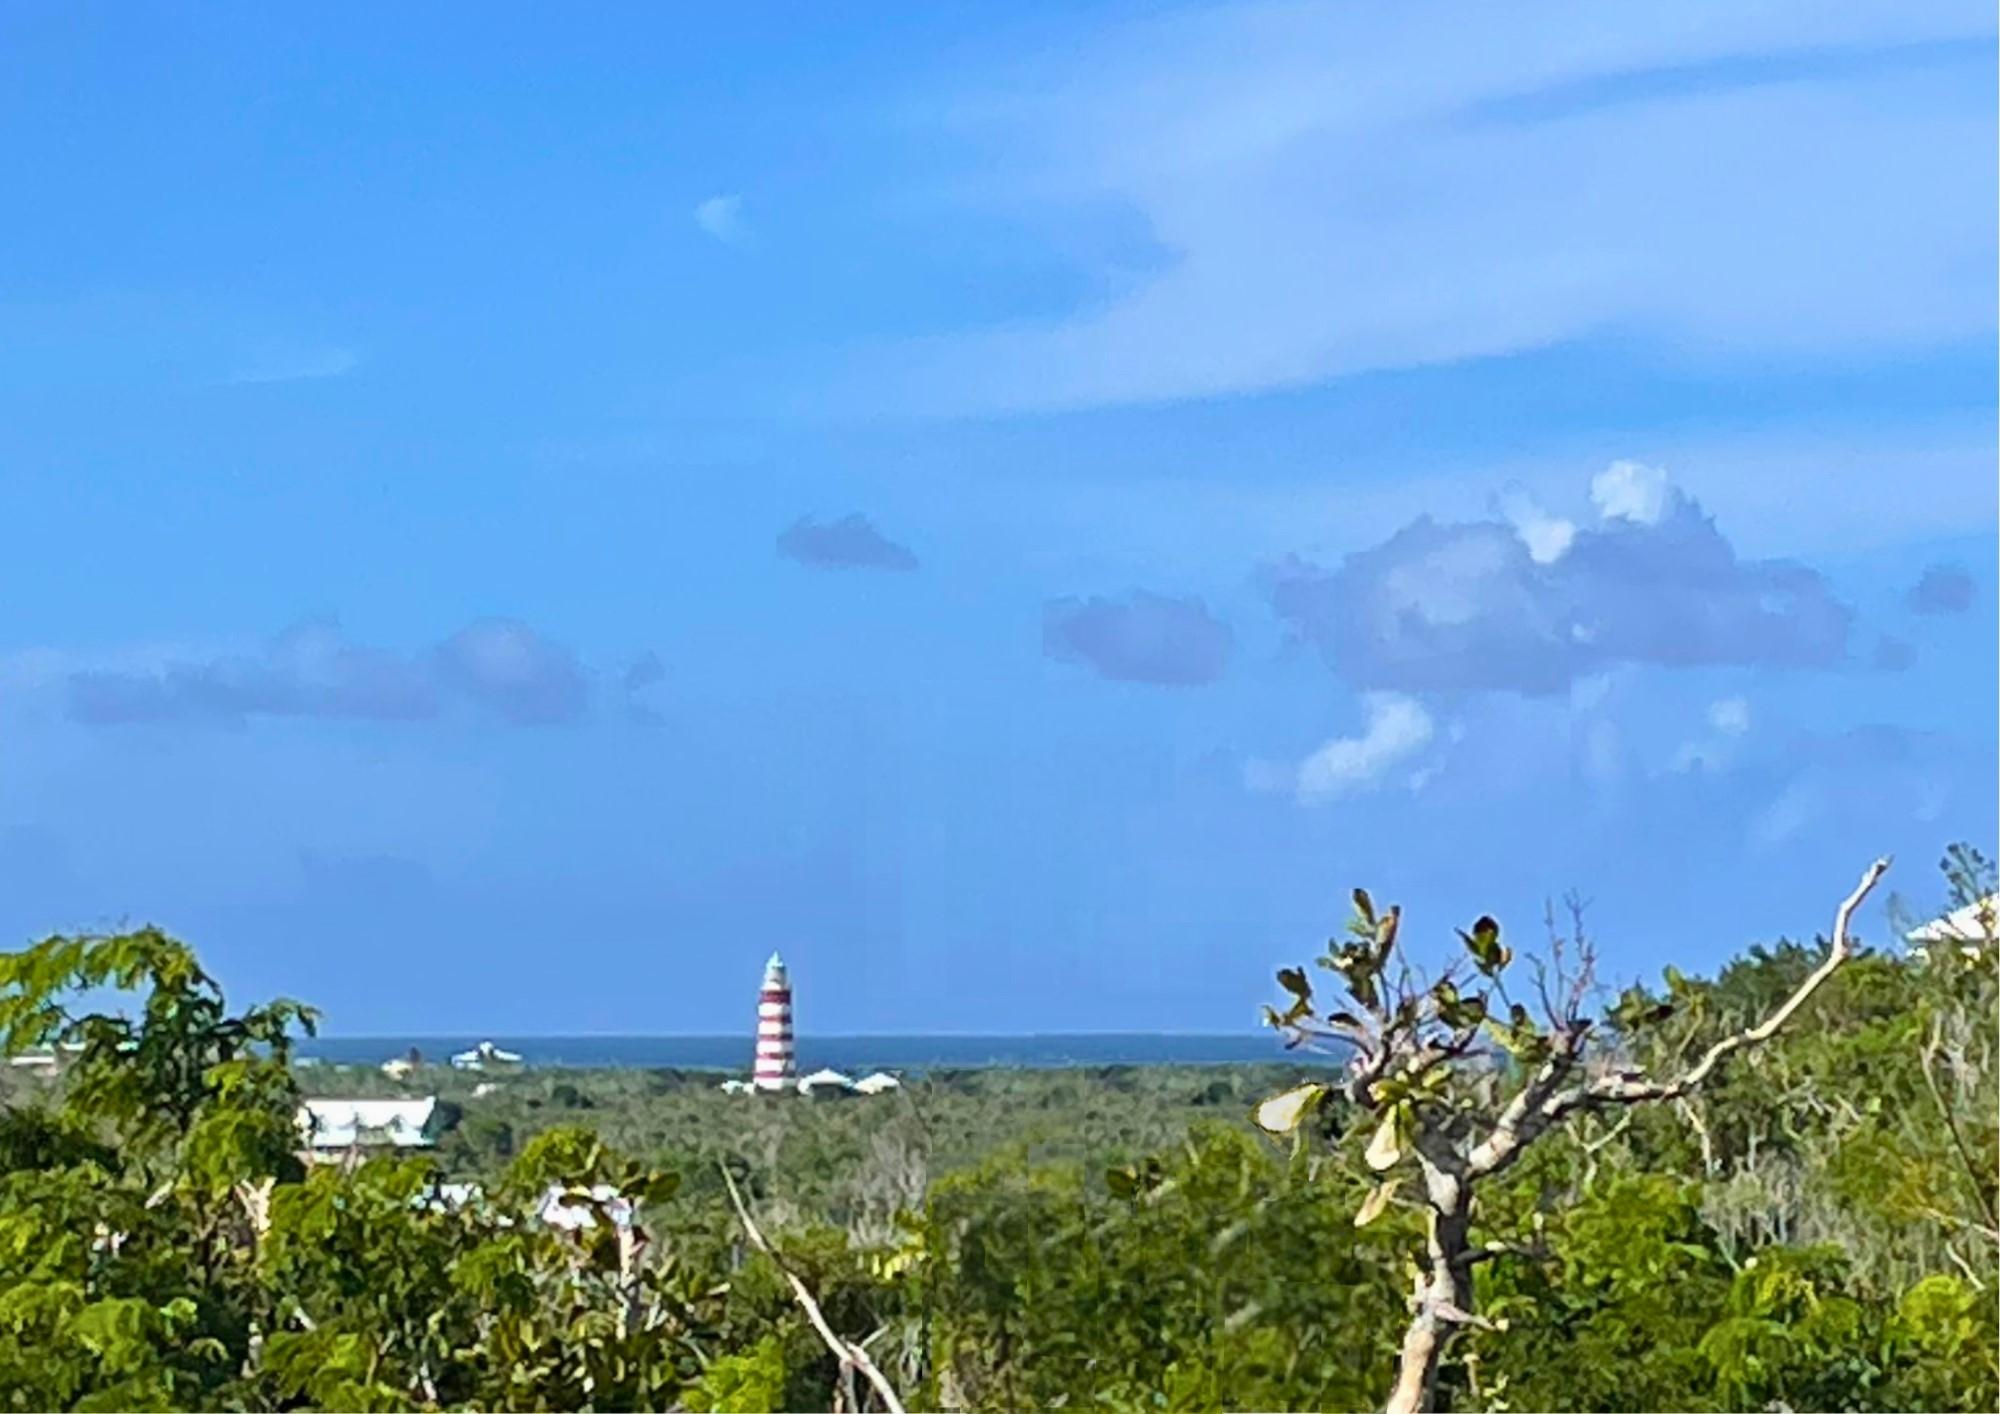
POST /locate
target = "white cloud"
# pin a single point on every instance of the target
(1336, 188)
(721, 217)
(1632, 491)
(291, 365)
(1590, 691)
(1729, 720)
(1603, 752)
(1398, 727)
(1795, 808)
(1547, 537)
(1730, 716)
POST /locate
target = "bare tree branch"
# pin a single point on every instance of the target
(1628, 1090)
(852, 1357)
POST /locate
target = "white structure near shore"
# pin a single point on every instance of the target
(332, 1128)
(483, 1055)
(822, 1082)
(774, 1070)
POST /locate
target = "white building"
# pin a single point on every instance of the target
(570, 1209)
(337, 1126)
(483, 1055)
(877, 1083)
(1970, 929)
(824, 1081)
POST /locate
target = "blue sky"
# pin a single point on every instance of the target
(510, 519)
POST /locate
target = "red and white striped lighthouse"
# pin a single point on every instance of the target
(775, 1063)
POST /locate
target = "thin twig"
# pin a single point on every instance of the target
(1972, 1168)
(850, 1355)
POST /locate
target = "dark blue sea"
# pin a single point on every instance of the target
(852, 1054)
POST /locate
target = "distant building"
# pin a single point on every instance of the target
(776, 1062)
(570, 1209)
(50, 1061)
(483, 1055)
(333, 1128)
(826, 1082)
(1970, 930)
(877, 1083)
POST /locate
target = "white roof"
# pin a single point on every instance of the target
(830, 1078)
(481, 1053)
(874, 1084)
(568, 1209)
(1972, 924)
(341, 1124)
(448, 1197)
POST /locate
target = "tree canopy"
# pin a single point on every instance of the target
(1813, 1227)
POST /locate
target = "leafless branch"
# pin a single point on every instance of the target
(1544, 1100)
(851, 1356)
(1625, 1090)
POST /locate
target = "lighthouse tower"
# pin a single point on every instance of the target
(775, 1064)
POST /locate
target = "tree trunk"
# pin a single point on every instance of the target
(1442, 1298)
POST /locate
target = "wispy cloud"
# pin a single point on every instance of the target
(291, 365)
(315, 670)
(1728, 723)
(721, 217)
(1346, 188)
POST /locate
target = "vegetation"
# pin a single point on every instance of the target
(1811, 1225)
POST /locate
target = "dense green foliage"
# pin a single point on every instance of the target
(1815, 1231)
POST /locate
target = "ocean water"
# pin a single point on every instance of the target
(852, 1054)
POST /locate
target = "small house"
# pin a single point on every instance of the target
(333, 1128)
(483, 1055)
